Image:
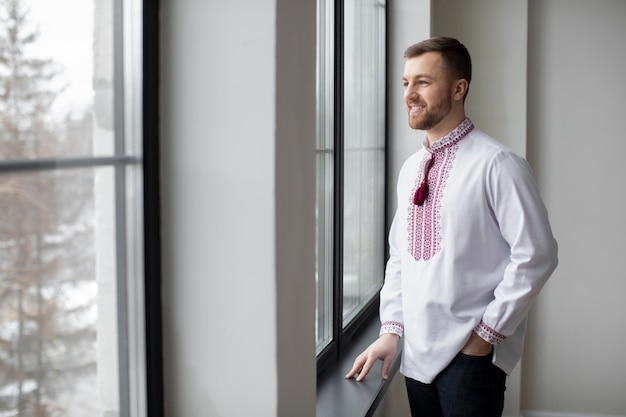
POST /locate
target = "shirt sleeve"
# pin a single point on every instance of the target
(391, 292)
(523, 221)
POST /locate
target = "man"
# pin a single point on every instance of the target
(470, 247)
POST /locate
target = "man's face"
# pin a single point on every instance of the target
(428, 90)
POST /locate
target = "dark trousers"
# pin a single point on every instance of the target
(471, 386)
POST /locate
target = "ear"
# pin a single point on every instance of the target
(460, 89)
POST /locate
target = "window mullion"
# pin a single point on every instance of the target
(120, 207)
(338, 177)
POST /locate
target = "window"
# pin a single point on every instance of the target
(350, 168)
(78, 196)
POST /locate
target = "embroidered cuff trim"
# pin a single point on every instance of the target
(489, 334)
(392, 327)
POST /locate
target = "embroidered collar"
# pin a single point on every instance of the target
(451, 138)
(458, 133)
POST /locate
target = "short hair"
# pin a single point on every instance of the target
(454, 54)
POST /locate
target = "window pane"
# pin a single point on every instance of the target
(51, 79)
(71, 264)
(324, 271)
(325, 175)
(58, 314)
(364, 138)
(363, 230)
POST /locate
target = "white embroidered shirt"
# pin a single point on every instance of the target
(471, 257)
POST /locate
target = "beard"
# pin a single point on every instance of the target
(432, 115)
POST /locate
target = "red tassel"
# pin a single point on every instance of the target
(420, 194)
(422, 191)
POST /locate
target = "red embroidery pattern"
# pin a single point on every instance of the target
(488, 334)
(424, 226)
(392, 327)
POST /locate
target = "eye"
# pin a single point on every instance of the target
(405, 84)
(423, 82)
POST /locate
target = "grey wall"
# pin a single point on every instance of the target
(238, 106)
(575, 358)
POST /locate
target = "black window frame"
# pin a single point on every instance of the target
(152, 207)
(344, 337)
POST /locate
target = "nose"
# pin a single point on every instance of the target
(410, 93)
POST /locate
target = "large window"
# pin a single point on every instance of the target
(74, 187)
(350, 167)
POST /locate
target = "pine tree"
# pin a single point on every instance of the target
(44, 235)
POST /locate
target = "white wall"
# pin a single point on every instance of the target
(495, 33)
(238, 107)
(575, 352)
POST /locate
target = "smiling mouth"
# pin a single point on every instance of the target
(415, 109)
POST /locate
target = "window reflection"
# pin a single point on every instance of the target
(364, 147)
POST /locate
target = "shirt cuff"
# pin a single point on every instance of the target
(392, 327)
(488, 334)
